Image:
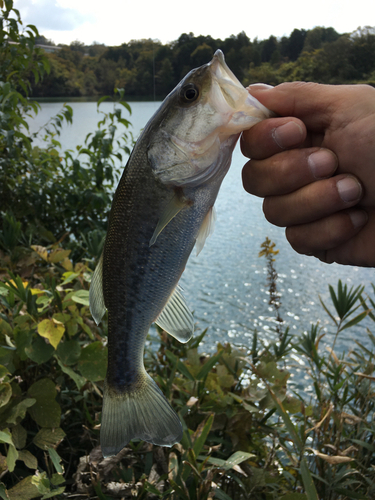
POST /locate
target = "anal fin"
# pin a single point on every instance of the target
(176, 318)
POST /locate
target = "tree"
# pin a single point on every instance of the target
(268, 48)
(201, 55)
(363, 52)
(295, 45)
(165, 78)
(316, 37)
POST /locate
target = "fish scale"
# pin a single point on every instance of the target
(162, 207)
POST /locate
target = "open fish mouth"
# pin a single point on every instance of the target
(236, 96)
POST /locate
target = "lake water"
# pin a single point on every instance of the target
(226, 285)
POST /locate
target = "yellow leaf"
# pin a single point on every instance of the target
(41, 251)
(58, 255)
(67, 264)
(52, 330)
(24, 283)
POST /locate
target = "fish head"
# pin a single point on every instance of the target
(198, 125)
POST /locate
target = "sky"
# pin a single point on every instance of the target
(113, 22)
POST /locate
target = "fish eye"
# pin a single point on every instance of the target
(189, 93)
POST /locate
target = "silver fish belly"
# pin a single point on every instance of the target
(162, 207)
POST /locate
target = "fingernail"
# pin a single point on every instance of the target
(322, 163)
(288, 135)
(349, 189)
(358, 218)
(260, 86)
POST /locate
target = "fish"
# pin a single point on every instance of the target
(162, 208)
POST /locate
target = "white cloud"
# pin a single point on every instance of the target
(50, 15)
(117, 21)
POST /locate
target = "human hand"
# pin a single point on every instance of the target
(314, 165)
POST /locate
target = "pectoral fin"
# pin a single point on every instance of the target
(176, 318)
(206, 229)
(177, 203)
(96, 297)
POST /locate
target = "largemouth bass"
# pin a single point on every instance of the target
(162, 207)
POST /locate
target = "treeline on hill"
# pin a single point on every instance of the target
(147, 67)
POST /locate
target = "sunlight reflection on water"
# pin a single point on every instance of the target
(226, 285)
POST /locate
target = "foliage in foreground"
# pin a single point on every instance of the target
(245, 434)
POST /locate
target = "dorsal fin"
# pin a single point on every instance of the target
(206, 229)
(96, 297)
(176, 318)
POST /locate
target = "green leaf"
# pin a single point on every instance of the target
(368, 446)
(69, 352)
(207, 367)
(237, 458)
(5, 327)
(5, 393)
(3, 492)
(354, 321)
(288, 423)
(102, 99)
(328, 311)
(93, 361)
(152, 489)
(221, 495)
(3, 372)
(48, 438)
(39, 351)
(46, 411)
(18, 411)
(292, 405)
(201, 439)
(5, 437)
(56, 459)
(54, 493)
(19, 436)
(80, 381)
(308, 482)
(68, 277)
(57, 479)
(24, 490)
(80, 296)
(29, 460)
(346, 493)
(179, 365)
(12, 456)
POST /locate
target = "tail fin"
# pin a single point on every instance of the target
(144, 414)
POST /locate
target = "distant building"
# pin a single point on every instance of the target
(48, 48)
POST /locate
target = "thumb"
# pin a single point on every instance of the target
(313, 103)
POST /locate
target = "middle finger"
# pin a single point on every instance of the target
(288, 171)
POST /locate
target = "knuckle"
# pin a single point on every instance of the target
(271, 211)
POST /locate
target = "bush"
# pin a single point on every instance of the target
(52, 195)
(245, 434)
